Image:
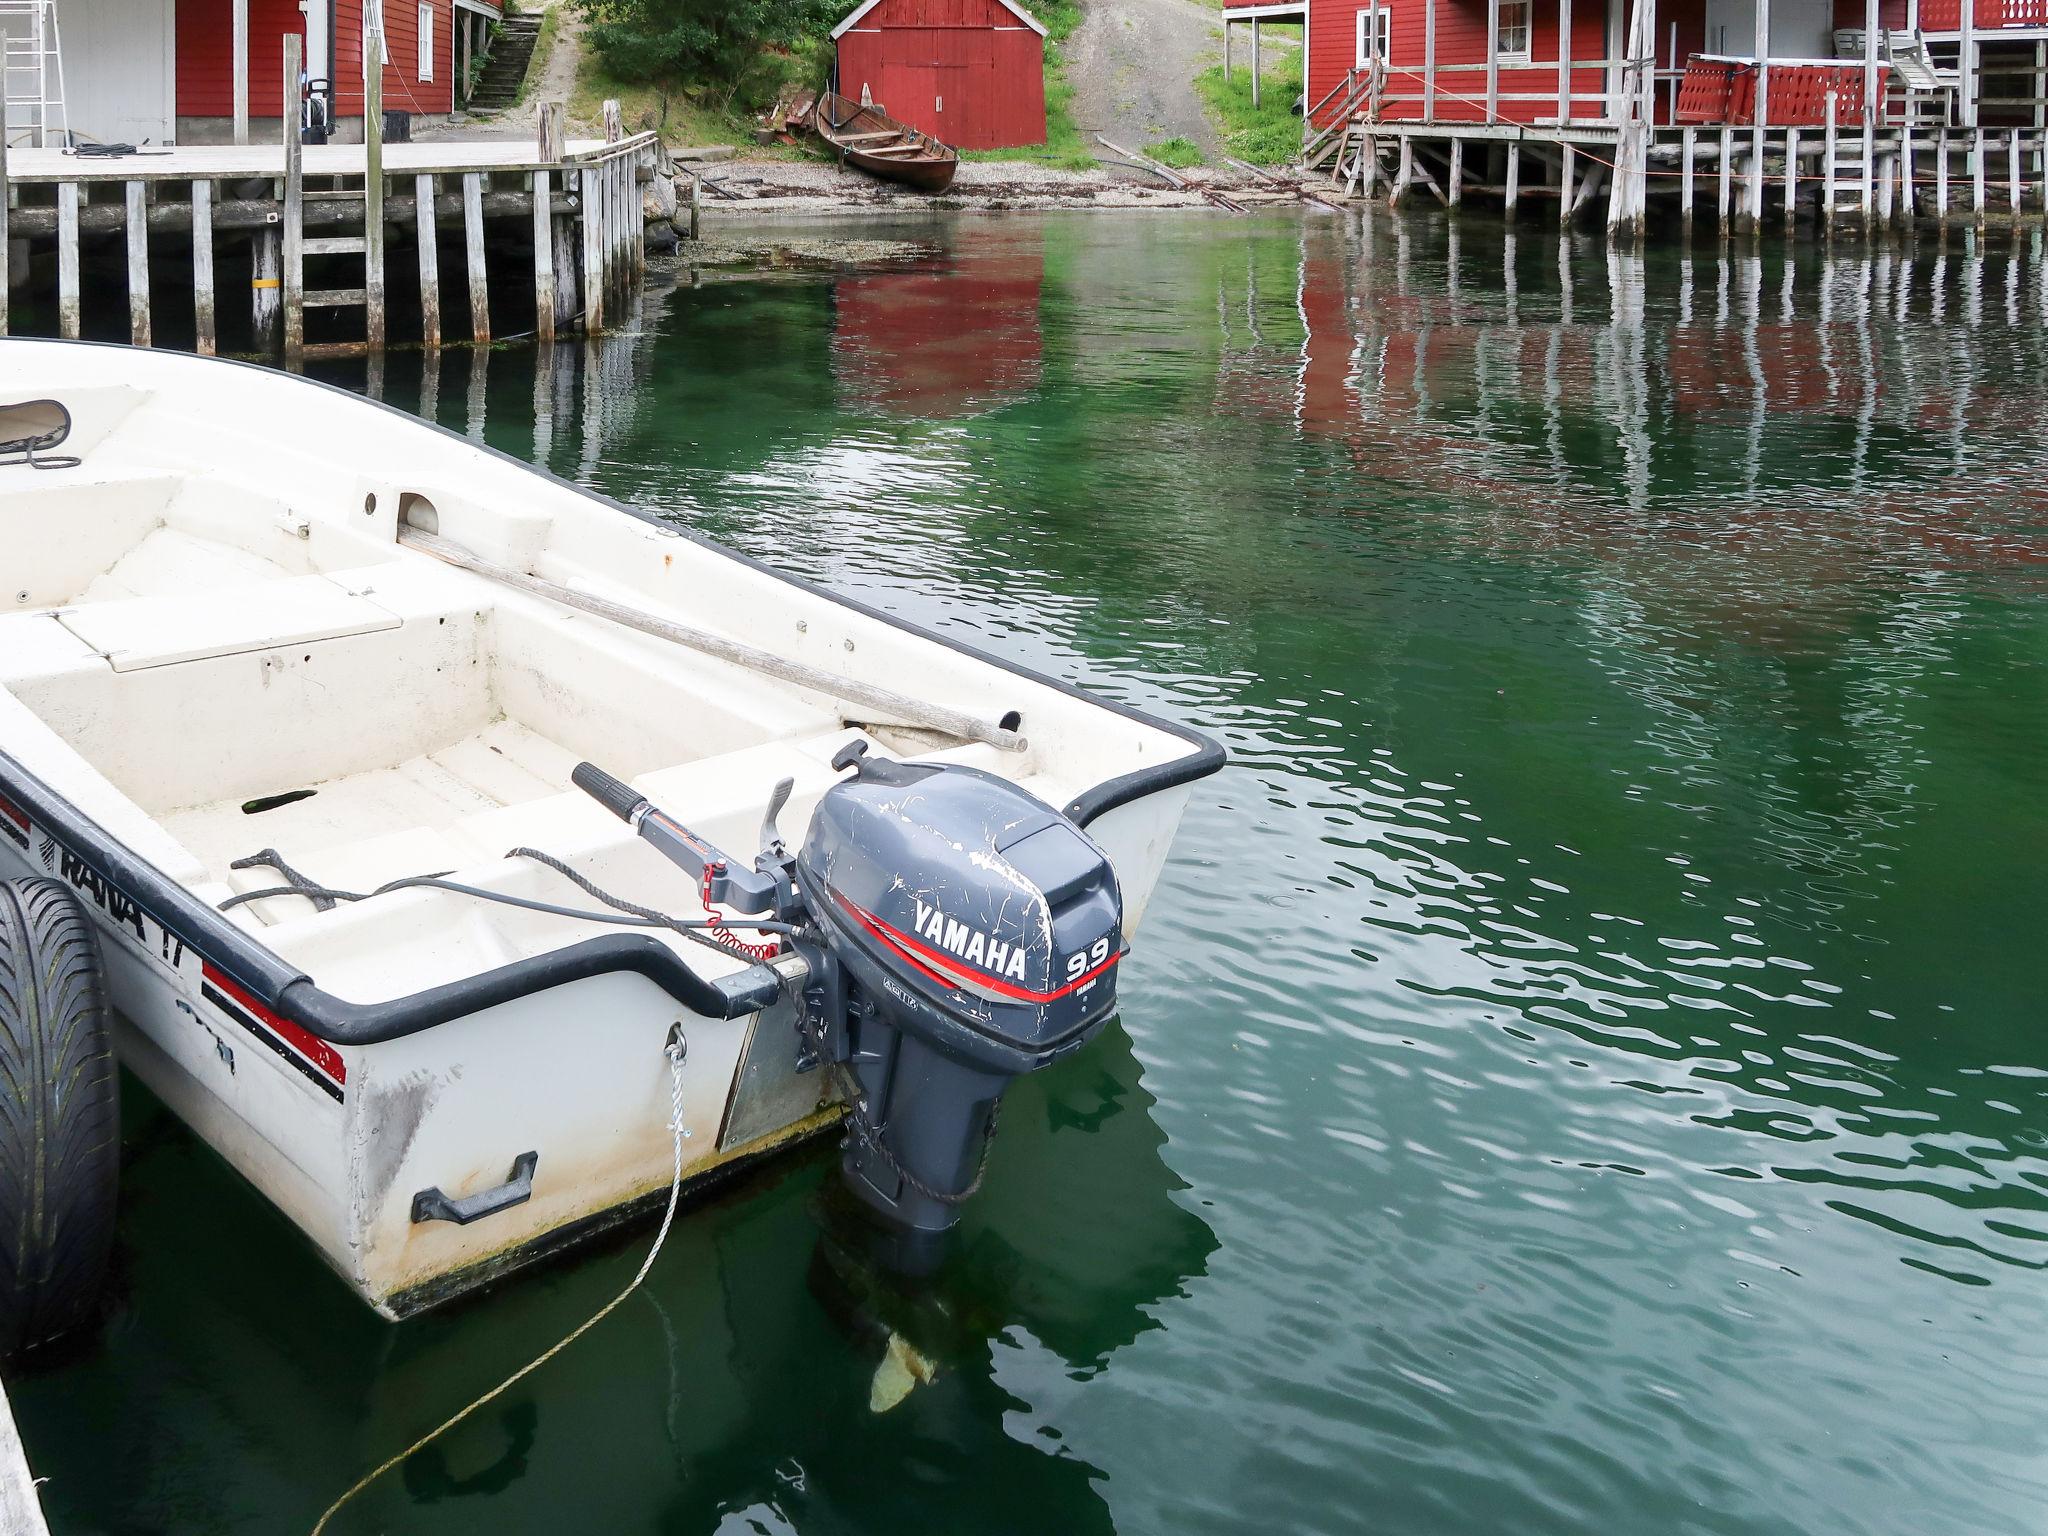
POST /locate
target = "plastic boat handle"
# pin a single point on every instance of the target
(432, 1205)
(889, 706)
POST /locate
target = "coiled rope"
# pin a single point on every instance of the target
(676, 1050)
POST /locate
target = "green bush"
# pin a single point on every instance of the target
(1268, 134)
(727, 43)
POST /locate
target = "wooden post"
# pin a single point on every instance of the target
(202, 265)
(1428, 58)
(614, 121)
(1827, 186)
(568, 263)
(1514, 183)
(1791, 176)
(6, 276)
(67, 260)
(1226, 50)
(1941, 173)
(1255, 65)
(1907, 197)
(1454, 193)
(1754, 201)
(1687, 147)
(1727, 176)
(427, 227)
(1492, 61)
(1885, 177)
(1564, 58)
(697, 195)
(266, 286)
(553, 139)
(373, 192)
(2012, 169)
(544, 256)
(473, 246)
(1566, 167)
(138, 264)
(593, 253)
(294, 213)
(1977, 174)
(1404, 174)
(1966, 67)
(241, 46)
(1873, 107)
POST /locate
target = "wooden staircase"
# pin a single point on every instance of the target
(512, 46)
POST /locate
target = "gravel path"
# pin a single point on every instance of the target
(1133, 63)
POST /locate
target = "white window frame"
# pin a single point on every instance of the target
(1501, 49)
(426, 40)
(373, 21)
(1366, 16)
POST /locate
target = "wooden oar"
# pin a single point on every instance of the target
(893, 708)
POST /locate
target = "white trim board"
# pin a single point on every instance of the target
(862, 9)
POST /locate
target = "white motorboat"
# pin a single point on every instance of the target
(393, 775)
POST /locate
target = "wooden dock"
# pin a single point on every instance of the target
(315, 221)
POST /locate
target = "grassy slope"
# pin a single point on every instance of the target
(1268, 134)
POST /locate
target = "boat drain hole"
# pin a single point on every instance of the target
(415, 511)
(264, 803)
(1013, 720)
(369, 504)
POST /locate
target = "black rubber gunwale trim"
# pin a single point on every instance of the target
(295, 996)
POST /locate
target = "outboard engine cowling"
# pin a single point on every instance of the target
(978, 932)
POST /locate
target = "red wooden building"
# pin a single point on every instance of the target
(971, 73)
(423, 51)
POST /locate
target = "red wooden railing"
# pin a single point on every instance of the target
(1723, 90)
(1987, 15)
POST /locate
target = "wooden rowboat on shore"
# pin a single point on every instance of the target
(871, 141)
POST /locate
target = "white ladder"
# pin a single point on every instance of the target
(32, 71)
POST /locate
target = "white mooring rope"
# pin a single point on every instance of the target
(677, 1050)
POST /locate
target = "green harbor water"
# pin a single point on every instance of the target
(1584, 1070)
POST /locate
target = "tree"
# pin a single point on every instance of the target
(698, 42)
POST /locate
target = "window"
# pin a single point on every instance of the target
(426, 42)
(373, 26)
(1372, 35)
(1511, 41)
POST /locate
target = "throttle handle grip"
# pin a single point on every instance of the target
(621, 799)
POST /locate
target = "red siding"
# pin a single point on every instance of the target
(968, 72)
(206, 71)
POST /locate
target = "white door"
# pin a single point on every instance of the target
(1800, 29)
(120, 71)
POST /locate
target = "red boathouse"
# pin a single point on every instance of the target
(971, 73)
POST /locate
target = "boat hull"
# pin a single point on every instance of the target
(870, 140)
(346, 1077)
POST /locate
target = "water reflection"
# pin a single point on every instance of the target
(1580, 1071)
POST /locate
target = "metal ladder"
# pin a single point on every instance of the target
(32, 70)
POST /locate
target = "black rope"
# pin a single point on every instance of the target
(271, 858)
(626, 915)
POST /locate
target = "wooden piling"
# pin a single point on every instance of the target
(1454, 191)
(294, 213)
(1404, 173)
(138, 263)
(67, 260)
(543, 256)
(473, 246)
(552, 133)
(568, 264)
(593, 251)
(1941, 173)
(373, 204)
(1977, 177)
(266, 287)
(6, 277)
(1885, 180)
(202, 266)
(614, 121)
(1791, 177)
(1688, 147)
(1727, 187)
(1514, 178)
(2012, 169)
(430, 260)
(1566, 174)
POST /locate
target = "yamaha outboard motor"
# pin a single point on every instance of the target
(957, 933)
